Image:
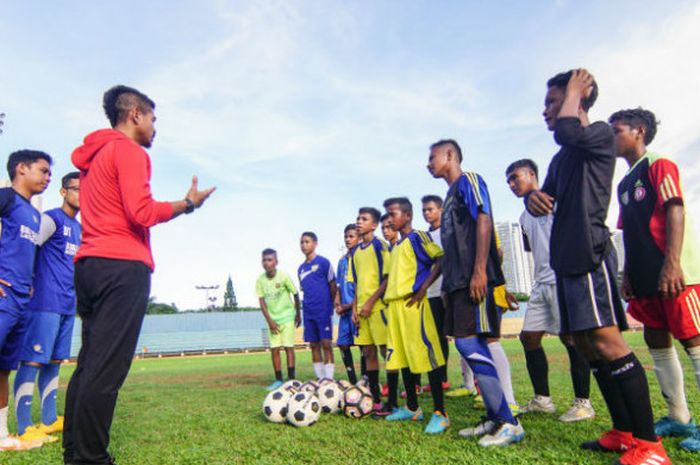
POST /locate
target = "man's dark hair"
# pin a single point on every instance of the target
(451, 142)
(436, 199)
(562, 79)
(65, 181)
(349, 227)
(310, 234)
(269, 251)
(523, 163)
(636, 118)
(27, 157)
(119, 100)
(403, 203)
(371, 211)
(384, 217)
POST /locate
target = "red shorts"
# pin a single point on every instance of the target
(679, 316)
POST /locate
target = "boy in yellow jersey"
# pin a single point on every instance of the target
(413, 344)
(368, 271)
(390, 236)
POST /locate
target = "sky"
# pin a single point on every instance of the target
(302, 112)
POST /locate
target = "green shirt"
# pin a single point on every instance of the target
(276, 292)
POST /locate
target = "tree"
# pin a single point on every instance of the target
(157, 308)
(230, 302)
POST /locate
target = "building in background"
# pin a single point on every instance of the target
(518, 266)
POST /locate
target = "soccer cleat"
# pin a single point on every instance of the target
(445, 385)
(539, 403)
(385, 390)
(403, 413)
(667, 426)
(425, 388)
(419, 391)
(580, 410)
(691, 443)
(275, 384)
(485, 426)
(461, 392)
(384, 411)
(515, 410)
(33, 433)
(644, 453)
(55, 427)
(15, 444)
(610, 441)
(503, 434)
(438, 423)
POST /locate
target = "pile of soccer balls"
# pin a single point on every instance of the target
(302, 404)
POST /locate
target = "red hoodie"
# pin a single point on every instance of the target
(116, 205)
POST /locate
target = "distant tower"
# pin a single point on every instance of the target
(230, 296)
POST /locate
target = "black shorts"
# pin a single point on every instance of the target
(465, 318)
(438, 309)
(591, 300)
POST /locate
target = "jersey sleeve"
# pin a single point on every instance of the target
(663, 175)
(7, 198)
(46, 229)
(351, 274)
(289, 285)
(475, 194)
(330, 274)
(385, 254)
(526, 240)
(595, 139)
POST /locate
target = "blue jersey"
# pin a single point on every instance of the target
(346, 289)
(314, 278)
(53, 280)
(20, 231)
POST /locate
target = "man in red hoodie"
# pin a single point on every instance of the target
(113, 265)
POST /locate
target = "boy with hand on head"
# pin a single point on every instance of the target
(470, 271)
(50, 314)
(413, 345)
(662, 264)
(317, 281)
(30, 173)
(542, 314)
(579, 182)
(343, 304)
(368, 271)
(390, 236)
(273, 288)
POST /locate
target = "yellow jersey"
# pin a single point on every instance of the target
(367, 268)
(410, 263)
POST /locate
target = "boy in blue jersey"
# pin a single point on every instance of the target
(317, 281)
(471, 270)
(30, 173)
(50, 314)
(343, 304)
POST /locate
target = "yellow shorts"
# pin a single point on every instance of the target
(372, 330)
(284, 337)
(413, 340)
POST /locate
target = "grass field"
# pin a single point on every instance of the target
(208, 411)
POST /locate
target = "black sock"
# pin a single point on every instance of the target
(538, 369)
(291, 372)
(392, 379)
(278, 375)
(349, 365)
(435, 379)
(409, 383)
(363, 364)
(373, 376)
(418, 379)
(628, 374)
(580, 373)
(446, 352)
(613, 397)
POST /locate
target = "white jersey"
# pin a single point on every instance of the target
(435, 289)
(537, 231)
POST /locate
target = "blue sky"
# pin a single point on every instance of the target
(301, 112)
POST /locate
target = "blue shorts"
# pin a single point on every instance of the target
(318, 328)
(346, 330)
(48, 337)
(13, 326)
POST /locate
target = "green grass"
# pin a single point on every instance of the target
(208, 411)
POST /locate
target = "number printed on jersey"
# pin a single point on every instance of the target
(71, 249)
(25, 232)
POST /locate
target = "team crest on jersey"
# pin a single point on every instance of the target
(278, 285)
(38, 349)
(639, 193)
(314, 268)
(625, 198)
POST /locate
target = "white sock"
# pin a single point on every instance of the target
(669, 374)
(503, 370)
(330, 370)
(3, 423)
(694, 354)
(318, 370)
(467, 374)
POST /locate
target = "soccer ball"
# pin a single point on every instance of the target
(330, 396)
(303, 409)
(324, 381)
(363, 383)
(356, 402)
(343, 384)
(292, 385)
(310, 386)
(275, 405)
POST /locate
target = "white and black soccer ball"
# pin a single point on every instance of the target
(356, 402)
(292, 385)
(343, 384)
(324, 381)
(303, 409)
(275, 405)
(310, 386)
(330, 396)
